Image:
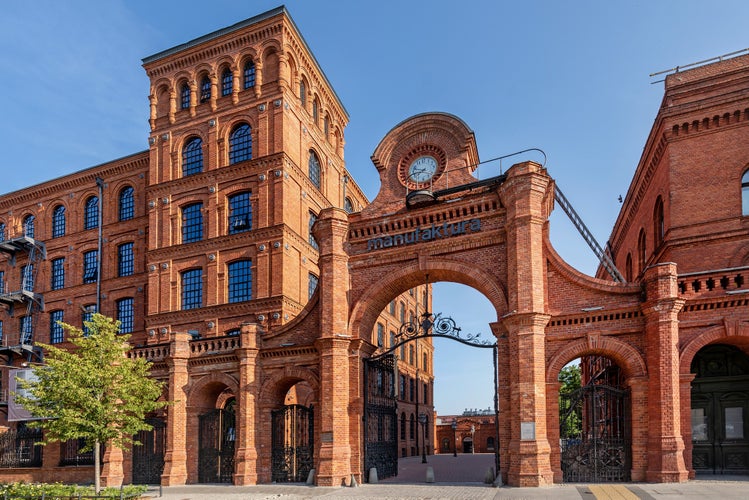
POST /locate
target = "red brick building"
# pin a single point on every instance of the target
(251, 271)
(473, 431)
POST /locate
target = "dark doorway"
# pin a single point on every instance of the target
(380, 417)
(217, 435)
(148, 457)
(292, 443)
(468, 445)
(720, 409)
(594, 425)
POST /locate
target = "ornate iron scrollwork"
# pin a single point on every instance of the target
(436, 325)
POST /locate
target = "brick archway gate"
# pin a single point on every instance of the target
(432, 216)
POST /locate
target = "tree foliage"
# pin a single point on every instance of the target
(93, 391)
(570, 379)
(570, 413)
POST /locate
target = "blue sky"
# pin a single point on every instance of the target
(570, 78)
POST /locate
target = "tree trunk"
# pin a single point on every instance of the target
(97, 467)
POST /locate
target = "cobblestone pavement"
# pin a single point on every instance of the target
(461, 478)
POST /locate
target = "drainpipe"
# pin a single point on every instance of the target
(100, 184)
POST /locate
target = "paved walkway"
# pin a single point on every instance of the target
(461, 478)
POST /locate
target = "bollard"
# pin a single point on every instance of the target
(373, 476)
(311, 477)
(430, 475)
(489, 476)
(353, 484)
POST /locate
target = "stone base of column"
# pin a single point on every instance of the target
(112, 473)
(246, 469)
(529, 464)
(334, 467)
(175, 472)
(666, 461)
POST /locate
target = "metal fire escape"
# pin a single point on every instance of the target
(23, 302)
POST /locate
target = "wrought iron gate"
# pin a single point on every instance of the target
(148, 457)
(293, 443)
(380, 417)
(594, 431)
(216, 437)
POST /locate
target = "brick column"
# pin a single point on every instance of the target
(334, 443)
(249, 385)
(638, 403)
(685, 381)
(527, 195)
(112, 472)
(552, 419)
(661, 309)
(175, 458)
(503, 388)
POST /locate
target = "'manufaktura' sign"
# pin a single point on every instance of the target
(434, 232)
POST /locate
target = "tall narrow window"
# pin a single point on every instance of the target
(227, 82)
(326, 126)
(659, 228)
(402, 315)
(641, 251)
(1, 331)
(403, 415)
(2, 231)
(125, 314)
(392, 307)
(348, 206)
(249, 74)
(58, 274)
(312, 284)
(192, 289)
(628, 268)
(91, 214)
(312, 240)
(745, 193)
(86, 317)
(125, 265)
(192, 157)
(240, 212)
(56, 332)
(28, 226)
(314, 169)
(27, 278)
(27, 330)
(240, 281)
(240, 144)
(302, 93)
(184, 96)
(315, 111)
(3, 287)
(392, 339)
(58, 221)
(380, 335)
(192, 223)
(89, 266)
(205, 89)
(127, 203)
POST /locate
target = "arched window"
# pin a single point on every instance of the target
(303, 93)
(28, 226)
(326, 126)
(127, 203)
(312, 282)
(90, 266)
(184, 96)
(192, 157)
(240, 280)
(249, 75)
(240, 212)
(348, 206)
(315, 111)
(628, 268)
(745, 193)
(192, 223)
(205, 89)
(312, 240)
(641, 251)
(58, 221)
(659, 228)
(91, 216)
(314, 169)
(125, 314)
(2, 231)
(227, 82)
(240, 144)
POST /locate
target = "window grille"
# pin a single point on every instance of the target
(27, 278)
(58, 221)
(27, 330)
(87, 316)
(192, 223)
(2, 231)
(127, 203)
(91, 216)
(240, 281)
(249, 75)
(58, 274)
(125, 259)
(227, 82)
(90, 266)
(313, 281)
(125, 314)
(240, 213)
(56, 332)
(185, 96)
(28, 226)
(240, 144)
(312, 240)
(314, 169)
(192, 157)
(205, 89)
(192, 289)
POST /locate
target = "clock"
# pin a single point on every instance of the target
(422, 169)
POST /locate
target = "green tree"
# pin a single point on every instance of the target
(92, 392)
(570, 413)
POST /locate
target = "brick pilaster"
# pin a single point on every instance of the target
(526, 195)
(112, 472)
(334, 448)
(247, 400)
(175, 458)
(661, 309)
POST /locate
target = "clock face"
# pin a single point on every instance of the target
(422, 169)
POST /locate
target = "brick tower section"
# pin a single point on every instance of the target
(661, 309)
(175, 458)
(524, 195)
(249, 381)
(334, 450)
